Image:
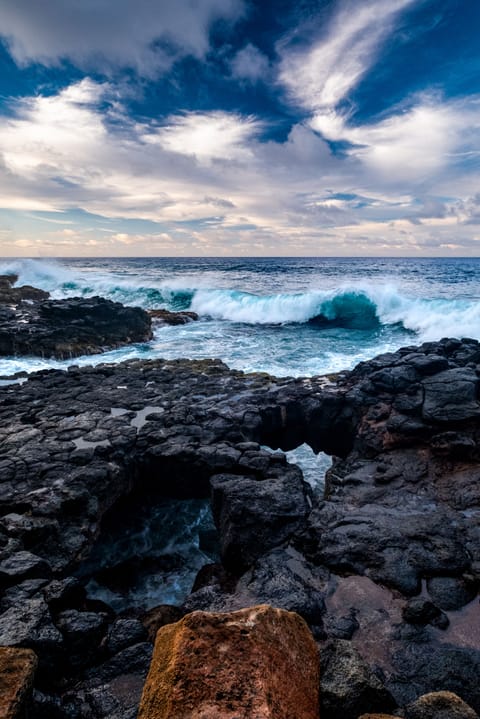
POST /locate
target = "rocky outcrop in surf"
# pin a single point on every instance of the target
(33, 324)
(383, 566)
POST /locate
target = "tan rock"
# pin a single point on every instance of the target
(439, 705)
(256, 663)
(17, 670)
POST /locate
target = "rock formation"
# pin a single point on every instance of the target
(258, 662)
(32, 324)
(384, 566)
(17, 671)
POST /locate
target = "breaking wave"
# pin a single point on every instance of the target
(360, 307)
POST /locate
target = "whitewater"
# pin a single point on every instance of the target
(285, 316)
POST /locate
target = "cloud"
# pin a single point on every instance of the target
(206, 135)
(210, 183)
(105, 35)
(320, 76)
(413, 144)
(250, 64)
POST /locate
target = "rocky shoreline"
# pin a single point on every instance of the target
(384, 566)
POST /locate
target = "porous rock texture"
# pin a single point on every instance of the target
(378, 561)
(33, 324)
(17, 670)
(259, 662)
(439, 705)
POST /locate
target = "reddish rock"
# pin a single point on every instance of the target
(17, 670)
(260, 663)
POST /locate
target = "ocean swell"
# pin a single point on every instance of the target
(363, 306)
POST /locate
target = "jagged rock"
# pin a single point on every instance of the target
(158, 617)
(83, 633)
(64, 593)
(17, 671)
(22, 565)
(234, 664)
(421, 611)
(30, 625)
(173, 318)
(348, 687)
(253, 516)
(10, 295)
(402, 500)
(124, 633)
(439, 705)
(451, 592)
(69, 328)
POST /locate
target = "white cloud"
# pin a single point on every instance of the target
(239, 193)
(250, 64)
(207, 135)
(320, 76)
(413, 144)
(108, 34)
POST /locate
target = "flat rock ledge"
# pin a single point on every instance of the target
(259, 662)
(384, 565)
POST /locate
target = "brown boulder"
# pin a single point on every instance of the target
(259, 662)
(439, 705)
(17, 669)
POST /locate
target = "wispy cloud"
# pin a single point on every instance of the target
(319, 76)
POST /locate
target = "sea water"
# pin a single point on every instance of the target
(284, 316)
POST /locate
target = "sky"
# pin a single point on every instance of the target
(239, 128)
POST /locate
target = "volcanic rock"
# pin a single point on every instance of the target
(69, 328)
(397, 527)
(439, 705)
(165, 317)
(258, 662)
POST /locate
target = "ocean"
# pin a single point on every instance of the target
(284, 316)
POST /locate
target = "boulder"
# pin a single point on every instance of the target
(165, 317)
(258, 662)
(439, 705)
(348, 686)
(17, 671)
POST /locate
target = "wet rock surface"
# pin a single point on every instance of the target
(387, 560)
(166, 317)
(33, 324)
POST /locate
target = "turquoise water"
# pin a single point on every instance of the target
(286, 316)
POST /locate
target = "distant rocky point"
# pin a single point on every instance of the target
(33, 324)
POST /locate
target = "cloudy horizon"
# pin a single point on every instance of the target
(240, 128)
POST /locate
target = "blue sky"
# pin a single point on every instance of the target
(239, 127)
